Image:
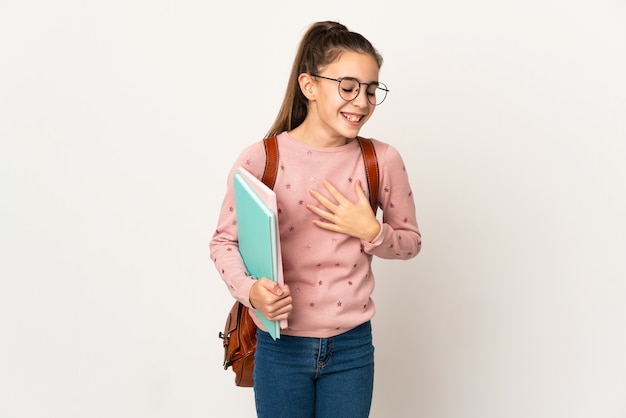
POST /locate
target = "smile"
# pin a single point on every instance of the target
(352, 117)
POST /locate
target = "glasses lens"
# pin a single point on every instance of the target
(348, 88)
(377, 94)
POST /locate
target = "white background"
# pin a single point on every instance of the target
(120, 119)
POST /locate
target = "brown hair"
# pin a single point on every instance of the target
(321, 45)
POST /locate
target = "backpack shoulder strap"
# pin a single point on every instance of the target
(271, 161)
(371, 170)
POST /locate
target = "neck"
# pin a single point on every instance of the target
(317, 138)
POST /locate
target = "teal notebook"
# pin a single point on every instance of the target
(257, 226)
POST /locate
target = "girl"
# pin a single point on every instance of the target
(323, 364)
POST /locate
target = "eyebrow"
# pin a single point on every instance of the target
(362, 82)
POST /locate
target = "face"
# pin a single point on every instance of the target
(336, 116)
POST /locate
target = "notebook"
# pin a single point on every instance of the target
(259, 241)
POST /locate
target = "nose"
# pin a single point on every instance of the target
(361, 98)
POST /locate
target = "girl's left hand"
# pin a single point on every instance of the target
(354, 219)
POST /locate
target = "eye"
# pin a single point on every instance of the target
(371, 89)
(349, 85)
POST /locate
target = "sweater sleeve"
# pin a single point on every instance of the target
(399, 237)
(223, 246)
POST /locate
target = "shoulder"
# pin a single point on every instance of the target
(253, 148)
(385, 152)
(252, 158)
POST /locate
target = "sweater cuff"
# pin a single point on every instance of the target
(243, 292)
(378, 239)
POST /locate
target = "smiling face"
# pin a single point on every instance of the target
(331, 120)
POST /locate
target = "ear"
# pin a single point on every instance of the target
(307, 85)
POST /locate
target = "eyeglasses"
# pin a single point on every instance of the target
(349, 89)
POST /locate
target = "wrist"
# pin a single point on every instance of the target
(373, 232)
(250, 294)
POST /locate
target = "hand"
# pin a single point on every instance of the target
(271, 300)
(354, 219)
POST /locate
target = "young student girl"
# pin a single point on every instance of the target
(323, 364)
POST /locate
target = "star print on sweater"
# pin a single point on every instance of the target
(329, 273)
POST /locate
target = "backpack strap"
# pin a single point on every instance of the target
(271, 161)
(369, 159)
(371, 170)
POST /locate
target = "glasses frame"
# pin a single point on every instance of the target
(378, 84)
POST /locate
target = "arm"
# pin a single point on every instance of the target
(224, 249)
(398, 235)
(263, 294)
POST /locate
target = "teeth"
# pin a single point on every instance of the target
(352, 118)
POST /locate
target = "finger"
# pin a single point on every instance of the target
(279, 309)
(359, 190)
(286, 290)
(328, 226)
(363, 199)
(340, 198)
(279, 306)
(324, 201)
(271, 286)
(278, 316)
(320, 212)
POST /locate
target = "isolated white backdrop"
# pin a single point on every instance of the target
(120, 119)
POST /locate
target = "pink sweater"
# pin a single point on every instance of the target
(329, 274)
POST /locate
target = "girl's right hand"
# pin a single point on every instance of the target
(271, 300)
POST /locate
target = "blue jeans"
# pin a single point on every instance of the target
(302, 377)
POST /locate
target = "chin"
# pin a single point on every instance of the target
(350, 132)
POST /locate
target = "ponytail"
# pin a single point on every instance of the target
(321, 45)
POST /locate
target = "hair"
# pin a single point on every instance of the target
(322, 44)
